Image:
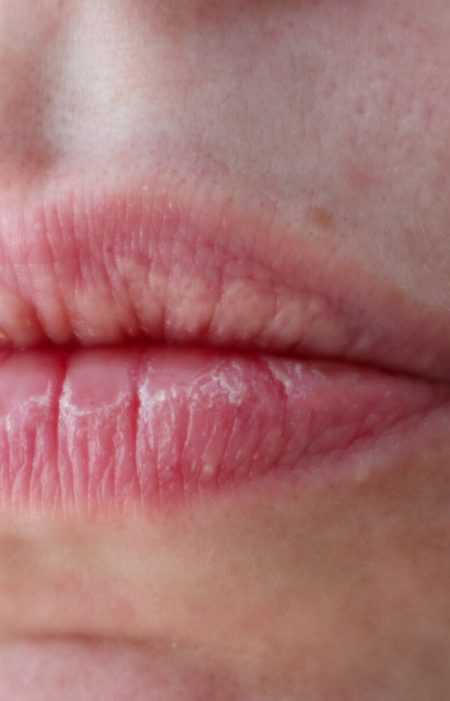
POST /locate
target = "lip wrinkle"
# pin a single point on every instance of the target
(135, 408)
(283, 407)
(66, 486)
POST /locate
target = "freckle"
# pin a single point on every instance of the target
(322, 217)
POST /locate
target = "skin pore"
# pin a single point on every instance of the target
(328, 120)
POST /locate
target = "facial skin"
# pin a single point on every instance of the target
(331, 118)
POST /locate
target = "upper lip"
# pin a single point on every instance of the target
(152, 262)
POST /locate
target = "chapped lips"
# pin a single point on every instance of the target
(224, 389)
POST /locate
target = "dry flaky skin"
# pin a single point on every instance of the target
(138, 428)
(328, 121)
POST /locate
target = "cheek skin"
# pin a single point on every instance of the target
(339, 588)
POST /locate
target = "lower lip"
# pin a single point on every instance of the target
(144, 426)
(109, 669)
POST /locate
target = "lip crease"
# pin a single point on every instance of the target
(218, 405)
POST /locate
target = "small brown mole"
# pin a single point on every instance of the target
(321, 217)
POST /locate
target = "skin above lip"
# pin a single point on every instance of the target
(94, 429)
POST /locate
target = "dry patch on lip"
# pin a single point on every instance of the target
(112, 428)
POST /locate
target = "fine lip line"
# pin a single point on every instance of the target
(95, 269)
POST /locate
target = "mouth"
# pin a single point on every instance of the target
(155, 348)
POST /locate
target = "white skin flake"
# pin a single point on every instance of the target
(284, 374)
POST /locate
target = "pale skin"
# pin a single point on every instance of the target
(332, 118)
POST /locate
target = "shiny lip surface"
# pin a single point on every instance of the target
(89, 429)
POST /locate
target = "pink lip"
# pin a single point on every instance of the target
(144, 425)
(112, 428)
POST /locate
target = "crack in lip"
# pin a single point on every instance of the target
(106, 267)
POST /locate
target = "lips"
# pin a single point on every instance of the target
(227, 360)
